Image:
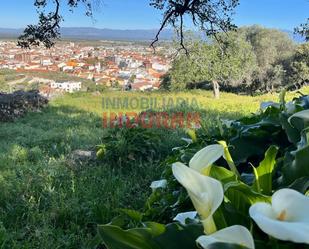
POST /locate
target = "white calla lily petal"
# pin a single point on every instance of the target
(182, 217)
(206, 157)
(233, 235)
(287, 218)
(205, 192)
(158, 184)
(294, 204)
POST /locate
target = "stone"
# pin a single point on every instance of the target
(15, 105)
(79, 158)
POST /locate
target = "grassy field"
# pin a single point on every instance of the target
(228, 106)
(45, 203)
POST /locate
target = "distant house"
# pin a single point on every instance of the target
(160, 67)
(142, 86)
(69, 86)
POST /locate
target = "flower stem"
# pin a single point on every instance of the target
(209, 225)
(229, 159)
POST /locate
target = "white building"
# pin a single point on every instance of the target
(67, 68)
(47, 62)
(61, 65)
(160, 67)
(69, 87)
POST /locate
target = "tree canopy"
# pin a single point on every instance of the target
(211, 16)
(300, 65)
(207, 62)
(253, 59)
(303, 30)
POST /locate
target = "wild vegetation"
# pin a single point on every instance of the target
(247, 179)
(49, 201)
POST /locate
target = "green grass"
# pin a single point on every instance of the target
(45, 203)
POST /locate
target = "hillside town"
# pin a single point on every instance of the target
(125, 65)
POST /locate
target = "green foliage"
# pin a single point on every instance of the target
(300, 64)
(282, 163)
(273, 50)
(130, 146)
(231, 65)
(3, 235)
(138, 238)
(264, 173)
(46, 202)
(241, 196)
(295, 165)
(151, 236)
(252, 59)
(303, 30)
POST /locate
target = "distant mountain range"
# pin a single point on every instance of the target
(114, 34)
(100, 34)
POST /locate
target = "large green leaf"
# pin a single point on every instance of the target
(180, 237)
(133, 214)
(222, 174)
(116, 238)
(264, 172)
(292, 133)
(153, 236)
(301, 185)
(234, 216)
(300, 120)
(220, 245)
(296, 168)
(241, 196)
(243, 147)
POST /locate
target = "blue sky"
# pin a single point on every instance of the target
(137, 14)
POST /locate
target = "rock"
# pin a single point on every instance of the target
(83, 155)
(78, 158)
(16, 104)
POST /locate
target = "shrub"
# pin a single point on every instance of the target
(128, 146)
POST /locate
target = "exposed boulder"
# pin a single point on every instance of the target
(14, 105)
(78, 158)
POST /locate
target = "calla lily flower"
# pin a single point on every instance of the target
(233, 235)
(206, 157)
(205, 192)
(158, 184)
(287, 218)
(182, 217)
